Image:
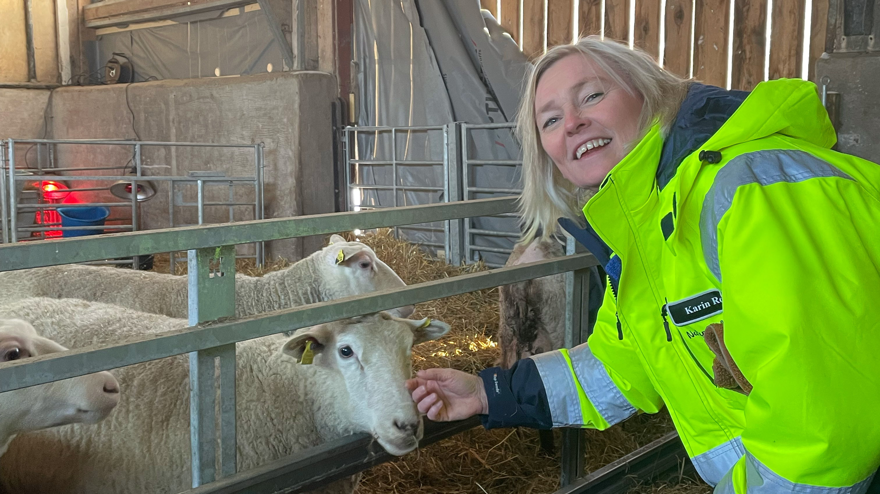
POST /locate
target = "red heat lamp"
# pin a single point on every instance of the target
(53, 191)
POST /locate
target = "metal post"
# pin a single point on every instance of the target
(29, 40)
(211, 297)
(576, 324)
(453, 191)
(3, 205)
(299, 58)
(394, 174)
(200, 201)
(172, 256)
(465, 192)
(13, 199)
(348, 183)
(261, 204)
(134, 198)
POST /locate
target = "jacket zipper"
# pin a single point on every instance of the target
(665, 323)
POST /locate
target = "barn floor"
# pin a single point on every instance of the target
(480, 461)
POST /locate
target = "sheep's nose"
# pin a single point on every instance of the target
(111, 387)
(406, 426)
(406, 311)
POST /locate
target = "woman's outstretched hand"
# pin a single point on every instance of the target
(447, 394)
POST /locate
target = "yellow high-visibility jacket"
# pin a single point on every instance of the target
(767, 229)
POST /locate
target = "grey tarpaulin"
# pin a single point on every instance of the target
(196, 46)
(431, 62)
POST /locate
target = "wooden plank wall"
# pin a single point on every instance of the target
(703, 51)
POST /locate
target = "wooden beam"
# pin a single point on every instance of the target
(533, 28)
(749, 43)
(112, 13)
(559, 22)
(510, 18)
(710, 47)
(617, 20)
(646, 32)
(677, 53)
(590, 18)
(818, 34)
(787, 38)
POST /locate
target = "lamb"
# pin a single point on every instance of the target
(532, 312)
(86, 399)
(342, 269)
(356, 384)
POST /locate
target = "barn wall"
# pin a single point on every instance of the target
(288, 112)
(22, 112)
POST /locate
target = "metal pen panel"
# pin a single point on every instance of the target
(66, 251)
(87, 360)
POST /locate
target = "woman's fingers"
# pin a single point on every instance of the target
(428, 402)
(434, 413)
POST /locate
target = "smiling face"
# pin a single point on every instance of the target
(585, 120)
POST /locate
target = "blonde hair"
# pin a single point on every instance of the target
(547, 195)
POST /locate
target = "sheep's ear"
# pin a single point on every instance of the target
(427, 330)
(306, 344)
(336, 239)
(353, 256)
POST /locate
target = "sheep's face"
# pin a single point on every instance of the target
(86, 399)
(354, 269)
(374, 355)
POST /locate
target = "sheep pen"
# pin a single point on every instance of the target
(478, 461)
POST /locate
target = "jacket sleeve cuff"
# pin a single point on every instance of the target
(516, 397)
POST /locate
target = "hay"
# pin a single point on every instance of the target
(479, 461)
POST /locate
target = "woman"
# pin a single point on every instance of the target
(701, 192)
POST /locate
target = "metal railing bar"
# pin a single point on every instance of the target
(65, 228)
(359, 128)
(495, 190)
(129, 178)
(490, 126)
(318, 466)
(74, 250)
(496, 162)
(495, 233)
(498, 250)
(401, 187)
(94, 358)
(388, 162)
(665, 455)
(109, 142)
(37, 207)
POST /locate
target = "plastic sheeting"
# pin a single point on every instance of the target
(197, 46)
(432, 62)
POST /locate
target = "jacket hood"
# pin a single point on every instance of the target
(712, 118)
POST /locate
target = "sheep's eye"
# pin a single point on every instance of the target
(364, 264)
(13, 354)
(346, 352)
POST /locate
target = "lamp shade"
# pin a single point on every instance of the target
(123, 189)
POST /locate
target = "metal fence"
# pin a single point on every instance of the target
(490, 239)
(18, 203)
(212, 298)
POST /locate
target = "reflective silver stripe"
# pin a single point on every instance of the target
(561, 388)
(761, 167)
(762, 480)
(714, 464)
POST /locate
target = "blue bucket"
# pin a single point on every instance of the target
(82, 216)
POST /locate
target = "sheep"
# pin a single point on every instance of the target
(532, 312)
(356, 384)
(86, 399)
(341, 269)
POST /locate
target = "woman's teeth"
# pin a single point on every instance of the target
(587, 146)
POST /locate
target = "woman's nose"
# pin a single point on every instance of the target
(574, 121)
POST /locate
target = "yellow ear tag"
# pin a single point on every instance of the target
(308, 355)
(340, 257)
(425, 324)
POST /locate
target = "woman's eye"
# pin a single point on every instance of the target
(592, 97)
(346, 352)
(550, 121)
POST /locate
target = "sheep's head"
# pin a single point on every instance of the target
(374, 355)
(354, 269)
(85, 399)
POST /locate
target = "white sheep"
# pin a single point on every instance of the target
(86, 399)
(532, 312)
(342, 269)
(356, 384)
